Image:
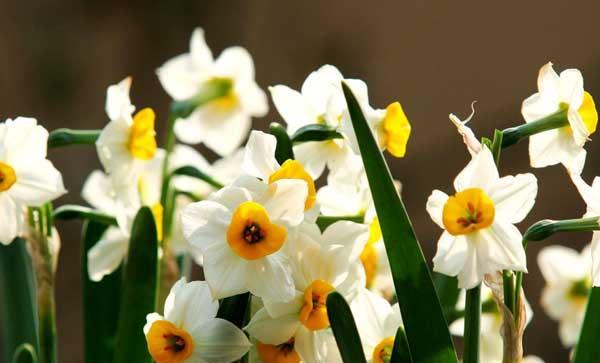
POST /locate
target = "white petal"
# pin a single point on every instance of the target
(118, 102)
(11, 216)
(150, 319)
(571, 88)
(481, 172)
(560, 264)
(259, 157)
(451, 255)
(548, 80)
(307, 347)
(514, 196)
(553, 147)
(588, 193)
(500, 247)
(578, 127)
(190, 304)
(227, 273)
(218, 340)
(349, 234)
(180, 77)
(37, 183)
(235, 124)
(237, 63)
(320, 85)
(568, 331)
(97, 191)
(285, 200)
(199, 51)
(539, 105)
(271, 278)
(435, 206)
(252, 98)
(205, 223)
(293, 108)
(370, 313)
(595, 250)
(107, 254)
(312, 155)
(22, 141)
(271, 330)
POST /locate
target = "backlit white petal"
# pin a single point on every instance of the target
(435, 206)
(293, 107)
(571, 88)
(271, 330)
(284, 200)
(451, 255)
(481, 172)
(271, 278)
(107, 254)
(189, 304)
(118, 103)
(259, 158)
(37, 183)
(218, 340)
(514, 196)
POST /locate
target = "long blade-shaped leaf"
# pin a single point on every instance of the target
(284, 149)
(234, 309)
(426, 329)
(344, 329)
(25, 353)
(100, 303)
(588, 349)
(18, 304)
(67, 212)
(315, 132)
(139, 294)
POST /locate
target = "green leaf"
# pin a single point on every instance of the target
(67, 137)
(426, 329)
(234, 309)
(67, 212)
(401, 353)
(25, 353)
(588, 349)
(344, 329)
(315, 132)
(447, 291)
(139, 291)
(18, 302)
(195, 173)
(284, 149)
(325, 221)
(100, 303)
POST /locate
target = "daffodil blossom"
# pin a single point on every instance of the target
(27, 177)
(478, 221)
(184, 76)
(127, 143)
(491, 345)
(241, 230)
(568, 283)
(377, 323)
(322, 262)
(555, 93)
(189, 332)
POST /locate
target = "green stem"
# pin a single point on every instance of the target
(67, 137)
(508, 283)
(472, 323)
(515, 134)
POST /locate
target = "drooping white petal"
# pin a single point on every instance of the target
(118, 103)
(37, 183)
(10, 215)
(218, 340)
(452, 253)
(227, 273)
(514, 196)
(259, 158)
(435, 206)
(107, 254)
(272, 330)
(293, 107)
(189, 304)
(481, 172)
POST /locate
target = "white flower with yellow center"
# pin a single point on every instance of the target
(377, 323)
(568, 284)
(321, 101)
(478, 220)
(127, 143)
(321, 264)
(241, 230)
(555, 93)
(27, 177)
(184, 76)
(190, 332)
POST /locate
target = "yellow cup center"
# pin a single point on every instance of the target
(157, 212)
(168, 343)
(396, 130)
(142, 137)
(314, 312)
(251, 235)
(468, 211)
(7, 177)
(383, 351)
(588, 112)
(229, 100)
(369, 256)
(293, 169)
(282, 353)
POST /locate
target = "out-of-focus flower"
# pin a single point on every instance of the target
(555, 93)
(568, 284)
(186, 75)
(190, 332)
(27, 177)
(478, 221)
(321, 263)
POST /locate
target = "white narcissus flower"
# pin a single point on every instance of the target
(190, 332)
(127, 143)
(568, 284)
(321, 263)
(184, 76)
(479, 234)
(555, 93)
(241, 230)
(27, 177)
(377, 323)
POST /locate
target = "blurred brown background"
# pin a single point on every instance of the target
(58, 57)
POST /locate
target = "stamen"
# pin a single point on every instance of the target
(252, 234)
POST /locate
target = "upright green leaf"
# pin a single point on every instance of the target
(447, 291)
(234, 309)
(25, 353)
(100, 303)
(139, 291)
(588, 349)
(18, 303)
(344, 329)
(284, 149)
(427, 333)
(401, 353)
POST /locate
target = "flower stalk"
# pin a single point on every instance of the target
(515, 134)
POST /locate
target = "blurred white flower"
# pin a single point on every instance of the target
(190, 332)
(478, 221)
(184, 76)
(555, 93)
(27, 177)
(568, 284)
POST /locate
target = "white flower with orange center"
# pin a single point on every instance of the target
(568, 284)
(555, 93)
(478, 220)
(322, 263)
(184, 76)
(377, 323)
(241, 230)
(27, 177)
(128, 141)
(190, 332)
